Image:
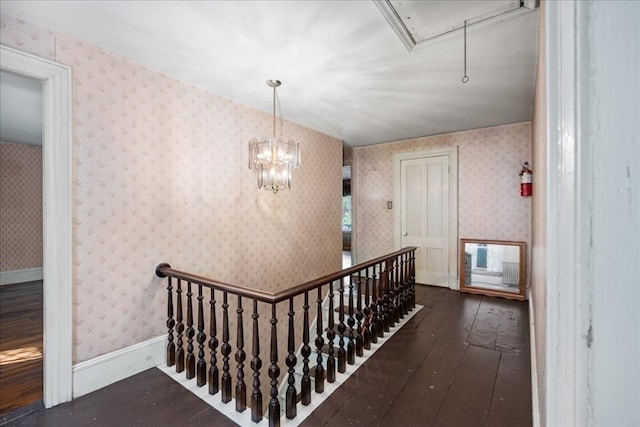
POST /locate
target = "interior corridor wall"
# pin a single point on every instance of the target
(489, 202)
(160, 175)
(20, 207)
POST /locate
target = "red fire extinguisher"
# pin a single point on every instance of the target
(526, 180)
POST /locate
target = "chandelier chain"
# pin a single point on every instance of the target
(274, 113)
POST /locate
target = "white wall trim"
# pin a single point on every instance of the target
(20, 276)
(568, 228)
(535, 401)
(57, 221)
(452, 153)
(109, 368)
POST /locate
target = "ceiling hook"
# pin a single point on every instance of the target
(465, 78)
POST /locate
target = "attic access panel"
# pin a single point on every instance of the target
(417, 22)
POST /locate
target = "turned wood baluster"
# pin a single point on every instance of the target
(393, 292)
(405, 282)
(256, 364)
(241, 388)
(351, 345)
(171, 347)
(214, 384)
(331, 334)
(290, 361)
(359, 316)
(395, 301)
(305, 383)
(274, 372)
(380, 303)
(386, 306)
(412, 274)
(342, 354)
(382, 307)
(225, 349)
(179, 329)
(374, 308)
(319, 371)
(201, 338)
(191, 359)
(366, 334)
(401, 287)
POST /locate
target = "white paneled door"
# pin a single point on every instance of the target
(424, 216)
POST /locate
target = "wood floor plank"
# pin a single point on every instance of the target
(149, 398)
(372, 401)
(511, 403)
(484, 331)
(420, 400)
(513, 332)
(452, 316)
(21, 344)
(430, 296)
(469, 398)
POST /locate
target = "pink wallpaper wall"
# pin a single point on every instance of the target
(489, 202)
(20, 206)
(160, 175)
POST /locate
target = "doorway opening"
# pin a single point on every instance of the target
(21, 245)
(347, 218)
(57, 217)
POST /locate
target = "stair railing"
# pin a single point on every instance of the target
(371, 297)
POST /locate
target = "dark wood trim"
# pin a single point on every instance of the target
(164, 270)
(491, 293)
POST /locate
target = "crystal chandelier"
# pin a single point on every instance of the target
(273, 159)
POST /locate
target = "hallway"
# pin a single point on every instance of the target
(461, 360)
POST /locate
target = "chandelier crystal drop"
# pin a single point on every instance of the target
(273, 159)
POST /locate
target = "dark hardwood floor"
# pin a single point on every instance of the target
(20, 345)
(462, 360)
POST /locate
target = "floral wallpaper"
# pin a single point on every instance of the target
(489, 202)
(160, 175)
(20, 206)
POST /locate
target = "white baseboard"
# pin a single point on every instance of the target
(535, 403)
(20, 276)
(107, 369)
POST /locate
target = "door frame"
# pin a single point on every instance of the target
(57, 217)
(452, 153)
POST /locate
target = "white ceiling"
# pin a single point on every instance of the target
(20, 109)
(345, 71)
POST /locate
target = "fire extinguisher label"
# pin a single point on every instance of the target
(527, 178)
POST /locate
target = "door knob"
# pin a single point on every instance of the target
(404, 234)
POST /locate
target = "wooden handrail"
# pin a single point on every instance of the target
(164, 270)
